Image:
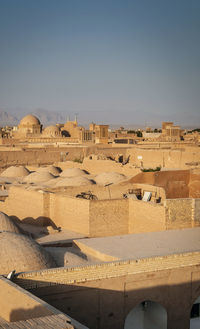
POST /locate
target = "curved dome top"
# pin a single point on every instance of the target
(7, 224)
(73, 172)
(30, 120)
(38, 177)
(51, 129)
(15, 171)
(20, 253)
(109, 178)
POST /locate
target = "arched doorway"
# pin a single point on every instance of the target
(195, 315)
(147, 315)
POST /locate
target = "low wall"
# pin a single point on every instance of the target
(164, 156)
(70, 213)
(29, 157)
(146, 217)
(179, 213)
(100, 217)
(24, 203)
(108, 217)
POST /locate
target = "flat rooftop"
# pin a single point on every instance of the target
(143, 245)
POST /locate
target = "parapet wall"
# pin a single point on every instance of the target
(108, 217)
(182, 213)
(70, 213)
(101, 217)
(146, 217)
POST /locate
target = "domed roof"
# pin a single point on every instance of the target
(14, 171)
(38, 177)
(20, 253)
(73, 172)
(51, 129)
(30, 120)
(51, 169)
(73, 181)
(109, 178)
(7, 224)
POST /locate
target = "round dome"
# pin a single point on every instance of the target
(51, 131)
(73, 172)
(109, 178)
(14, 171)
(20, 253)
(7, 224)
(38, 177)
(73, 181)
(51, 169)
(30, 120)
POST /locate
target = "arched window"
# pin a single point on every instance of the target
(147, 315)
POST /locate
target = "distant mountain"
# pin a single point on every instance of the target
(7, 119)
(49, 118)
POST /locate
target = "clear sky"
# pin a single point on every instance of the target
(112, 61)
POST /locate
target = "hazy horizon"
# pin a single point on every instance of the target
(116, 62)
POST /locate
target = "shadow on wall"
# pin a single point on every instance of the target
(122, 306)
(20, 314)
(40, 221)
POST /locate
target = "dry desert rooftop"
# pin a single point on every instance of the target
(143, 245)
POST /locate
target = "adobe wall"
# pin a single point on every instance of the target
(100, 217)
(175, 182)
(26, 157)
(22, 204)
(108, 217)
(70, 213)
(101, 295)
(152, 157)
(179, 213)
(146, 217)
(196, 212)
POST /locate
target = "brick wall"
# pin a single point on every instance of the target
(101, 296)
(22, 203)
(146, 217)
(109, 217)
(179, 213)
(70, 213)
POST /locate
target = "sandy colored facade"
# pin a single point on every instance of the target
(101, 217)
(110, 291)
(120, 282)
